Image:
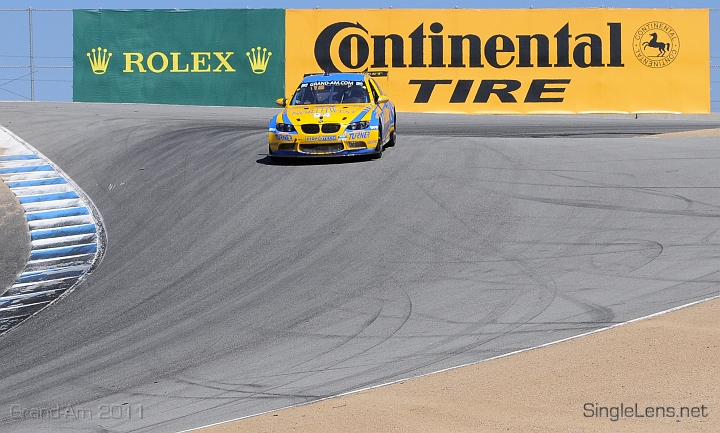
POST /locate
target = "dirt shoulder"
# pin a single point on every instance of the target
(697, 133)
(665, 365)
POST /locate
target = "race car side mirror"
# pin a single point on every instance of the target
(382, 100)
(281, 102)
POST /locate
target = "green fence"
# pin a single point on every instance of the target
(189, 57)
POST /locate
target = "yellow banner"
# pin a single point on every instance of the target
(513, 61)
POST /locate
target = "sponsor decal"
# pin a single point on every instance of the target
(323, 111)
(158, 62)
(322, 138)
(358, 135)
(513, 61)
(258, 59)
(656, 44)
(537, 91)
(331, 83)
(498, 51)
(99, 60)
(283, 137)
(188, 57)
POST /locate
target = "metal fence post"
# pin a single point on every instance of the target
(32, 58)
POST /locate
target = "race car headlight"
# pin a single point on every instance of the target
(285, 127)
(364, 124)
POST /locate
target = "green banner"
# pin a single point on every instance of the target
(189, 57)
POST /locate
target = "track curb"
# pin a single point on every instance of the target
(66, 231)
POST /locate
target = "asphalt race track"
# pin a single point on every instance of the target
(233, 286)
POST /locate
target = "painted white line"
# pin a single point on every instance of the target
(463, 365)
(27, 288)
(51, 205)
(37, 182)
(43, 264)
(19, 306)
(55, 271)
(40, 189)
(22, 163)
(60, 222)
(28, 176)
(63, 241)
(11, 300)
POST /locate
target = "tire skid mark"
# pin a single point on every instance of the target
(546, 288)
(394, 312)
(650, 190)
(231, 392)
(66, 232)
(605, 206)
(689, 209)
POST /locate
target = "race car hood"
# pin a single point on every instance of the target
(303, 114)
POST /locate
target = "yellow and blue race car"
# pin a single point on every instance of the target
(340, 114)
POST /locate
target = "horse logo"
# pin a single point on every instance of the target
(656, 44)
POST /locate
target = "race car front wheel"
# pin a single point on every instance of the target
(379, 148)
(391, 141)
(393, 135)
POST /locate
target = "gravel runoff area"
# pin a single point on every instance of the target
(713, 132)
(658, 374)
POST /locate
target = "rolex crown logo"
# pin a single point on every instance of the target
(259, 59)
(99, 60)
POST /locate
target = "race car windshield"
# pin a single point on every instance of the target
(331, 92)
